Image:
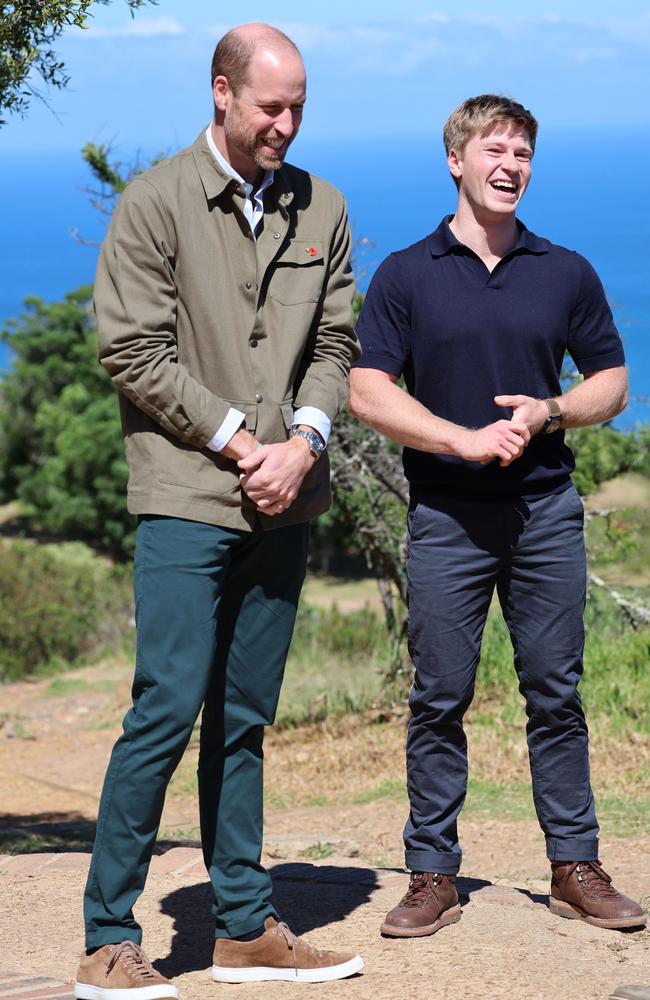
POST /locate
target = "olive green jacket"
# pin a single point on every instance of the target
(196, 316)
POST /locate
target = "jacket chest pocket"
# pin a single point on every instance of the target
(298, 275)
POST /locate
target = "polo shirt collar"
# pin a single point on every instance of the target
(441, 241)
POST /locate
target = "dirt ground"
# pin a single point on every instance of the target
(333, 842)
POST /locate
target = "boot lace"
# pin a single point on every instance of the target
(594, 880)
(422, 887)
(134, 961)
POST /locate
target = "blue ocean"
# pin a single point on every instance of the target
(588, 193)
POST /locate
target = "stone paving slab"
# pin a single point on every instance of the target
(27, 863)
(69, 862)
(176, 861)
(21, 987)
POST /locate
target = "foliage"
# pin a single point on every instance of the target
(112, 176)
(619, 539)
(108, 174)
(28, 32)
(338, 664)
(62, 453)
(80, 488)
(604, 452)
(618, 693)
(58, 604)
(52, 346)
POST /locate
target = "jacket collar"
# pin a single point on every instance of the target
(442, 241)
(215, 180)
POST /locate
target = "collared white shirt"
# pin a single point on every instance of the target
(254, 202)
(311, 416)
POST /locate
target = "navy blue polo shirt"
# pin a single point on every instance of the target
(461, 335)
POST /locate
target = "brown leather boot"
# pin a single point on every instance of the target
(581, 890)
(431, 902)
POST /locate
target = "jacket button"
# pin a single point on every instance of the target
(249, 284)
(276, 236)
(252, 342)
(259, 398)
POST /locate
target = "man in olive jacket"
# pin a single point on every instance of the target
(223, 300)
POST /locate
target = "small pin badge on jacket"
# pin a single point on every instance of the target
(312, 251)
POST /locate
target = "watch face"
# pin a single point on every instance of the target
(552, 424)
(315, 441)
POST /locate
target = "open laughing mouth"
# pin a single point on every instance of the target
(505, 187)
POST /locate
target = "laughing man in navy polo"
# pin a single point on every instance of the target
(477, 318)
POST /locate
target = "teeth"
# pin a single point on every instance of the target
(504, 186)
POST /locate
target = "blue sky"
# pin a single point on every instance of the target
(376, 69)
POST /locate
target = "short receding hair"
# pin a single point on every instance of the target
(233, 53)
(477, 114)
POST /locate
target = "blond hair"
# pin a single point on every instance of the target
(475, 115)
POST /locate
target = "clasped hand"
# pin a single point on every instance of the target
(506, 439)
(272, 475)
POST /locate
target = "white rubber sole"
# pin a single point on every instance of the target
(264, 974)
(84, 991)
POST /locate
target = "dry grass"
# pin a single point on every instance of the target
(629, 490)
(346, 595)
(360, 758)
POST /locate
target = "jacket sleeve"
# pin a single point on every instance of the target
(135, 304)
(333, 345)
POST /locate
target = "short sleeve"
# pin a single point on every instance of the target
(383, 327)
(594, 342)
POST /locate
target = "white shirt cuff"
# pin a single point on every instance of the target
(313, 417)
(232, 423)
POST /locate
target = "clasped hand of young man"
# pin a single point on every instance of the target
(506, 439)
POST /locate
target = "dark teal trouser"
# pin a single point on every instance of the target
(215, 610)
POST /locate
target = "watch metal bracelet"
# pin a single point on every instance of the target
(313, 439)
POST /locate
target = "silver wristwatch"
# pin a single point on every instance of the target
(313, 439)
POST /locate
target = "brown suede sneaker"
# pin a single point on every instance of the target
(279, 954)
(431, 902)
(120, 972)
(581, 890)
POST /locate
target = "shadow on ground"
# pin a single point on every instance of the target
(59, 833)
(50, 832)
(306, 896)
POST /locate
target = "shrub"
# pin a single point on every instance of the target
(58, 604)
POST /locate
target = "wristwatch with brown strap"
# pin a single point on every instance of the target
(554, 420)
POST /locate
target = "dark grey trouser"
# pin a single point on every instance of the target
(215, 610)
(533, 552)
